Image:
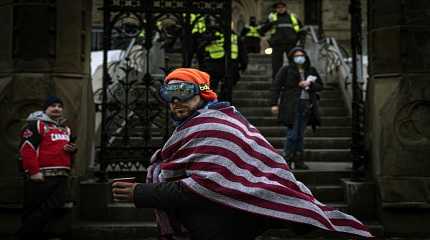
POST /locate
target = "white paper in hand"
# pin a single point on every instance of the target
(311, 78)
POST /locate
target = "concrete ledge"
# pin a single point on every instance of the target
(361, 198)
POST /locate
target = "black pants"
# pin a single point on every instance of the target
(278, 57)
(252, 44)
(43, 204)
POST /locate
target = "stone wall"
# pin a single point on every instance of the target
(399, 112)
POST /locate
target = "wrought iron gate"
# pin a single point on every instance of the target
(134, 121)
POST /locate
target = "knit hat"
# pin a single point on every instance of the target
(51, 100)
(195, 76)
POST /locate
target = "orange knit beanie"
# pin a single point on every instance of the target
(194, 76)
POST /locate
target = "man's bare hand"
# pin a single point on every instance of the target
(38, 177)
(123, 191)
(70, 147)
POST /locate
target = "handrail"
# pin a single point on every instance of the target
(331, 58)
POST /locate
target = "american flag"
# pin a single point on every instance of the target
(221, 156)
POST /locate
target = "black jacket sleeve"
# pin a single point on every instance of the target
(277, 85)
(301, 35)
(265, 27)
(243, 55)
(317, 85)
(165, 196)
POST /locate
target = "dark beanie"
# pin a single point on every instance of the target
(51, 100)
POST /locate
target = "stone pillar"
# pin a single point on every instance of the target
(399, 112)
(44, 50)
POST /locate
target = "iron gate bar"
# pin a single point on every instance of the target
(130, 105)
(358, 151)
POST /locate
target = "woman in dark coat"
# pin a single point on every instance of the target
(295, 99)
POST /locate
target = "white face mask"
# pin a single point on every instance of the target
(299, 60)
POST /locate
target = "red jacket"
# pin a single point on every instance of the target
(42, 145)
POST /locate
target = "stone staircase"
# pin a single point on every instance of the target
(327, 150)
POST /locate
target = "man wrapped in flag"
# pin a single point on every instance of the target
(217, 177)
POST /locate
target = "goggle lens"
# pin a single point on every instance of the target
(180, 91)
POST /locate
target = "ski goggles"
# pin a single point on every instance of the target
(182, 91)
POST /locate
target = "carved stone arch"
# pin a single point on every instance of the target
(243, 9)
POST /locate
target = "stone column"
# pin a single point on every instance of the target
(44, 50)
(399, 112)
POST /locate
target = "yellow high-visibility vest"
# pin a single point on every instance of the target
(253, 31)
(216, 48)
(294, 21)
(200, 25)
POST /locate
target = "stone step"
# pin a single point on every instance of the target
(328, 193)
(266, 93)
(114, 230)
(325, 121)
(248, 77)
(257, 85)
(374, 227)
(281, 131)
(261, 102)
(325, 155)
(316, 142)
(259, 58)
(255, 110)
(128, 212)
(323, 173)
(149, 231)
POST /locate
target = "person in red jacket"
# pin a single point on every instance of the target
(46, 153)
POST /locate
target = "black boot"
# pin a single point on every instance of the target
(300, 162)
(290, 158)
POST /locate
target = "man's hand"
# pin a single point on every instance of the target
(275, 110)
(70, 147)
(123, 191)
(38, 177)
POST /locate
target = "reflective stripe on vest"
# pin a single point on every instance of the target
(216, 49)
(199, 24)
(253, 31)
(294, 22)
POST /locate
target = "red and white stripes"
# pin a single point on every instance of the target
(222, 157)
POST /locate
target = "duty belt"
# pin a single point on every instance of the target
(284, 25)
(52, 172)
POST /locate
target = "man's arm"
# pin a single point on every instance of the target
(301, 35)
(165, 195)
(30, 140)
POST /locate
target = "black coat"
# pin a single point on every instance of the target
(286, 92)
(204, 219)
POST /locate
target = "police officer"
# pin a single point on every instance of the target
(251, 36)
(214, 51)
(286, 32)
